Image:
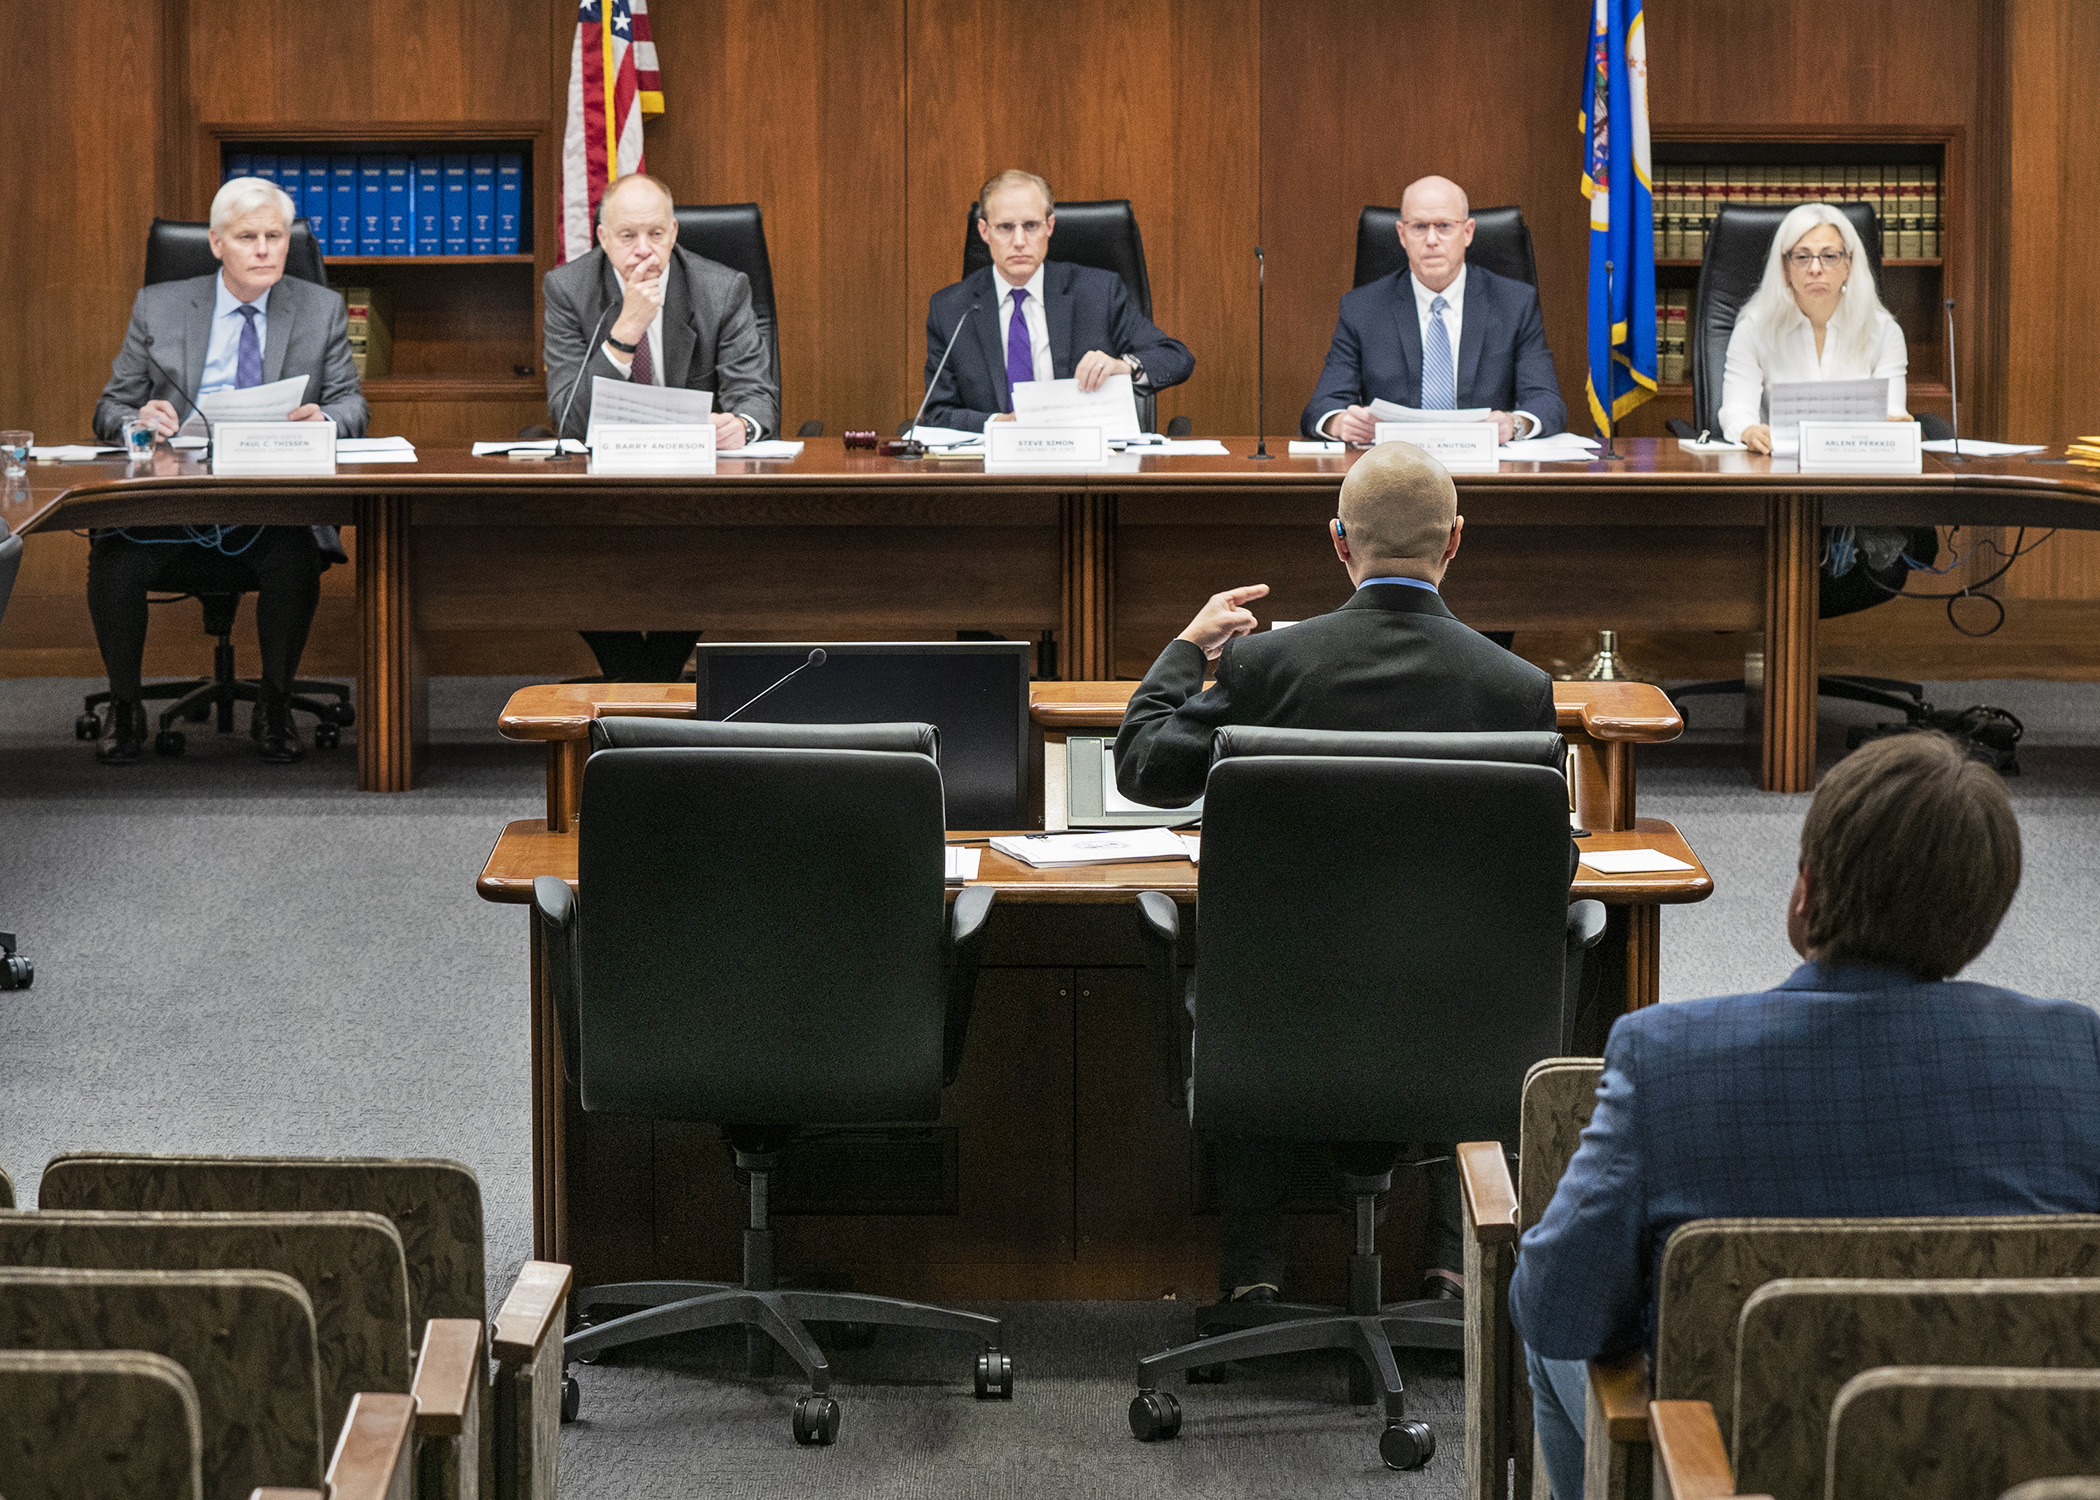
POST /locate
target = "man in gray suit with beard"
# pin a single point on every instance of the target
(640, 309)
(245, 324)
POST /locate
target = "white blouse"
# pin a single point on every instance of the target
(1758, 358)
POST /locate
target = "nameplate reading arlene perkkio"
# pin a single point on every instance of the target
(1015, 445)
(273, 447)
(1461, 447)
(1862, 448)
(653, 448)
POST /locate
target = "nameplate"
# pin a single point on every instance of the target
(1462, 447)
(653, 448)
(1018, 446)
(1862, 448)
(273, 447)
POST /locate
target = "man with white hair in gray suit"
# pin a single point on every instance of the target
(245, 324)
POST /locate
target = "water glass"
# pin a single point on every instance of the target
(14, 446)
(139, 436)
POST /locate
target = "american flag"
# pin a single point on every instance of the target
(613, 87)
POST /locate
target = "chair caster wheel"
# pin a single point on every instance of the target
(87, 727)
(995, 1376)
(1205, 1374)
(169, 742)
(816, 1421)
(1154, 1416)
(16, 972)
(345, 716)
(327, 737)
(1406, 1445)
(571, 1398)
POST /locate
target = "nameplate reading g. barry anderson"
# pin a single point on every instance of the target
(653, 448)
(1018, 445)
(273, 447)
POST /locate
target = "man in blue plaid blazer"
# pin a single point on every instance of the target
(1867, 1084)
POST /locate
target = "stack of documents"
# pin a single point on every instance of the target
(766, 448)
(540, 446)
(1712, 445)
(1561, 448)
(387, 450)
(2085, 452)
(1393, 411)
(949, 439)
(70, 453)
(1300, 448)
(1049, 851)
(644, 405)
(1980, 447)
(1112, 407)
(962, 864)
(256, 403)
(1631, 862)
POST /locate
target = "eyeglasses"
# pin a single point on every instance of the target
(1427, 229)
(1029, 227)
(1805, 259)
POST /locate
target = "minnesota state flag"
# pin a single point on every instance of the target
(1618, 178)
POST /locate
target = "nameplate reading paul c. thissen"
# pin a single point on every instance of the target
(273, 447)
(653, 448)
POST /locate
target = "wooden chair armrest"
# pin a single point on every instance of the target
(376, 1451)
(448, 1373)
(1491, 1198)
(1691, 1462)
(528, 1313)
(1621, 1388)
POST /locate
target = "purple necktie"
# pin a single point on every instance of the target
(1020, 363)
(247, 359)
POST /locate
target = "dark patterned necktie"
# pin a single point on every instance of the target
(1020, 358)
(247, 359)
(644, 365)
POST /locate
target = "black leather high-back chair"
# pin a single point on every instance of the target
(1102, 233)
(734, 234)
(1381, 1000)
(16, 972)
(1501, 243)
(761, 942)
(177, 249)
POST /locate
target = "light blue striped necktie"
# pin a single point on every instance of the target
(1439, 373)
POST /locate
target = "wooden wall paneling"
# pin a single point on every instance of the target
(1154, 103)
(801, 110)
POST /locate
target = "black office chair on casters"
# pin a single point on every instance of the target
(761, 943)
(734, 234)
(175, 251)
(1349, 996)
(1736, 251)
(16, 972)
(1102, 233)
(1501, 243)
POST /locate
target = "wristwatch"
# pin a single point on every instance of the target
(623, 348)
(1137, 369)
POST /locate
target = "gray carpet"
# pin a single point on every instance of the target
(236, 957)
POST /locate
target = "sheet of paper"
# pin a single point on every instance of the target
(386, 450)
(188, 442)
(256, 403)
(1715, 445)
(1112, 798)
(1631, 862)
(948, 437)
(1390, 411)
(1207, 447)
(1121, 846)
(543, 445)
(1562, 447)
(962, 863)
(1060, 403)
(1195, 847)
(1791, 402)
(645, 405)
(1982, 447)
(769, 448)
(1300, 448)
(71, 453)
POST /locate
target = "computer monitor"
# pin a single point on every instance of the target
(974, 692)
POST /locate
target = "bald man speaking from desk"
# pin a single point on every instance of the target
(1391, 658)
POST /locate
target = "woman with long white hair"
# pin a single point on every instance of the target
(1815, 316)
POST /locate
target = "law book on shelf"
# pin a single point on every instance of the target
(510, 201)
(398, 206)
(238, 164)
(314, 204)
(342, 205)
(1929, 216)
(371, 330)
(481, 206)
(457, 205)
(371, 205)
(1913, 212)
(1695, 213)
(429, 206)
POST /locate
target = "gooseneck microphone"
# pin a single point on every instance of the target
(911, 447)
(589, 347)
(1261, 355)
(176, 386)
(817, 658)
(1953, 383)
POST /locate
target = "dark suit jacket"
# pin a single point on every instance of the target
(1391, 658)
(1503, 361)
(309, 335)
(1851, 1091)
(1087, 309)
(711, 339)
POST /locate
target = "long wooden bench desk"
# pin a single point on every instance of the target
(1056, 1171)
(1111, 562)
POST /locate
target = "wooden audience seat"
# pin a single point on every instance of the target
(7, 1189)
(2063, 1487)
(352, 1268)
(1559, 1094)
(1939, 1433)
(105, 1424)
(1713, 1267)
(435, 1207)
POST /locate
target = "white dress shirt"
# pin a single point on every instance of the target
(1454, 297)
(222, 352)
(1760, 355)
(1033, 317)
(624, 363)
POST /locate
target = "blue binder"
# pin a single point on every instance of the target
(481, 209)
(314, 202)
(457, 195)
(291, 176)
(238, 164)
(430, 206)
(342, 205)
(398, 223)
(265, 167)
(510, 201)
(371, 205)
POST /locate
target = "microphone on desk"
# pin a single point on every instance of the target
(817, 658)
(176, 386)
(589, 347)
(911, 447)
(1261, 355)
(1953, 384)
